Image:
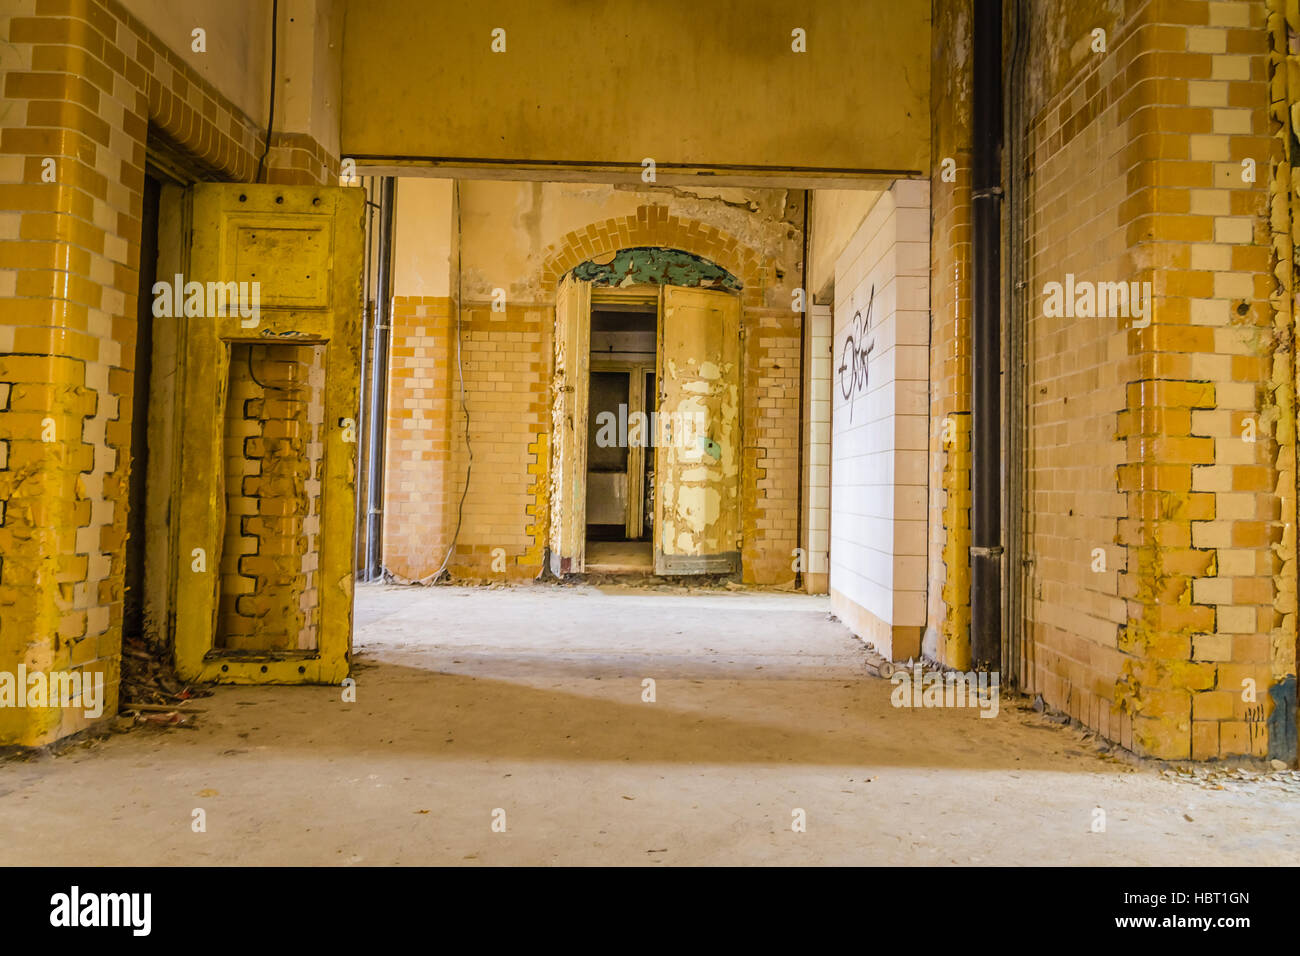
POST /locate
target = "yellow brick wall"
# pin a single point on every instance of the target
(1135, 437)
(506, 358)
(770, 469)
(948, 596)
(275, 410)
(1135, 434)
(83, 81)
(1076, 378)
(420, 484)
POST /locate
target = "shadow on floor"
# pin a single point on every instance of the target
(728, 721)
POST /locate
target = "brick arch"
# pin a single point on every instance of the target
(653, 226)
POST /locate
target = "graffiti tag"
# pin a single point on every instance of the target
(857, 351)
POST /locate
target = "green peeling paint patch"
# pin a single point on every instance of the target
(649, 265)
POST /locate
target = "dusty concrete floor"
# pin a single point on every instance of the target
(529, 700)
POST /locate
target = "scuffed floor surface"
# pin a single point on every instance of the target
(529, 701)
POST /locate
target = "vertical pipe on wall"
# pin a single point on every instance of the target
(986, 343)
(362, 522)
(1016, 297)
(805, 492)
(377, 403)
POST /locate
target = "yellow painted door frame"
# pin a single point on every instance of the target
(569, 391)
(640, 296)
(302, 246)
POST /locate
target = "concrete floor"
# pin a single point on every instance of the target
(529, 700)
(620, 557)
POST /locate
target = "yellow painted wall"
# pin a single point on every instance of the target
(310, 68)
(678, 82)
(422, 248)
(237, 61)
(836, 216)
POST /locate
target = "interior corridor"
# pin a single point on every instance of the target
(529, 700)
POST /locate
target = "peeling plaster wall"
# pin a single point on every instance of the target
(1279, 402)
(508, 227)
(652, 265)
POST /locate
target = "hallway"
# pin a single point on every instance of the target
(529, 699)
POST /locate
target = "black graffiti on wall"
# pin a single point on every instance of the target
(857, 352)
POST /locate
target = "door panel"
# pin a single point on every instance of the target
(263, 511)
(569, 386)
(697, 458)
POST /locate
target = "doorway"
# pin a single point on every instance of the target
(133, 605)
(267, 398)
(620, 436)
(646, 410)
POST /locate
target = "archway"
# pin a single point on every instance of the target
(646, 440)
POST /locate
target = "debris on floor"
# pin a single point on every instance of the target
(152, 694)
(165, 719)
(1235, 779)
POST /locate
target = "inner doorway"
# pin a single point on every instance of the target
(690, 488)
(133, 602)
(620, 437)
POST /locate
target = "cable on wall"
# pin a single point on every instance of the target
(460, 371)
(270, 110)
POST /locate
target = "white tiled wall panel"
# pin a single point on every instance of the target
(879, 431)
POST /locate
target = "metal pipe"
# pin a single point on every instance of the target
(378, 402)
(805, 491)
(1016, 564)
(360, 519)
(986, 339)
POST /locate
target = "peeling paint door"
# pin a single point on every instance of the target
(697, 458)
(569, 388)
(291, 258)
